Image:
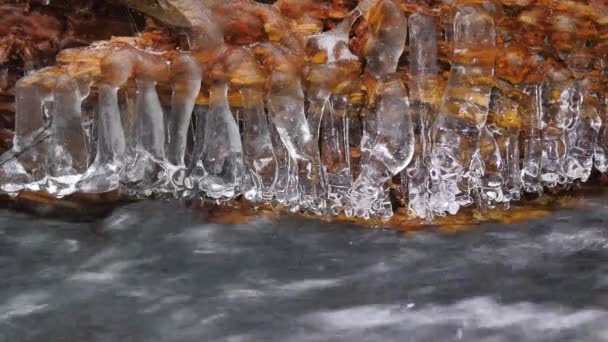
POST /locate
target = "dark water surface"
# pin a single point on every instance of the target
(159, 272)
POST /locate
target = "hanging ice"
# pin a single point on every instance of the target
(222, 157)
(186, 76)
(286, 186)
(25, 164)
(487, 171)
(185, 84)
(258, 153)
(424, 100)
(67, 157)
(332, 74)
(464, 109)
(558, 115)
(504, 120)
(146, 168)
(104, 174)
(196, 171)
(387, 153)
(532, 109)
(335, 153)
(285, 103)
(582, 137)
(387, 144)
(145, 163)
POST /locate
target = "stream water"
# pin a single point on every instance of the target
(161, 272)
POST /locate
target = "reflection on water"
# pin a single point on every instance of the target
(161, 272)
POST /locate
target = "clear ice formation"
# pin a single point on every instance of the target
(503, 123)
(335, 154)
(186, 77)
(558, 115)
(104, 174)
(316, 135)
(530, 172)
(387, 144)
(424, 71)
(222, 156)
(328, 107)
(258, 152)
(67, 156)
(461, 119)
(582, 136)
(24, 166)
(285, 101)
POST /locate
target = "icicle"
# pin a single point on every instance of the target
(504, 121)
(335, 153)
(530, 173)
(104, 174)
(582, 138)
(258, 154)
(186, 79)
(89, 123)
(196, 171)
(287, 113)
(490, 176)
(25, 164)
(387, 144)
(186, 83)
(557, 116)
(222, 157)
(424, 100)
(464, 108)
(387, 152)
(600, 158)
(146, 169)
(332, 74)
(67, 157)
(285, 103)
(286, 186)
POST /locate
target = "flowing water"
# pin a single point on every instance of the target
(156, 271)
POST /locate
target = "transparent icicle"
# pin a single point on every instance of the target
(186, 78)
(196, 171)
(335, 153)
(504, 122)
(24, 165)
(582, 140)
(258, 154)
(387, 144)
(286, 110)
(423, 105)
(385, 153)
(222, 156)
(530, 172)
(330, 75)
(600, 157)
(104, 174)
(67, 157)
(89, 123)
(558, 115)
(146, 169)
(318, 106)
(286, 185)
(464, 109)
(582, 137)
(487, 170)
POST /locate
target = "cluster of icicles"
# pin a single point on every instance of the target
(293, 146)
